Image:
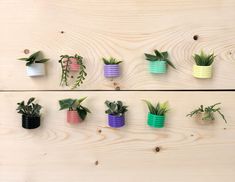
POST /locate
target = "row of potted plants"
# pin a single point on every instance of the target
(116, 110)
(74, 64)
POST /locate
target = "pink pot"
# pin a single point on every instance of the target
(74, 66)
(73, 117)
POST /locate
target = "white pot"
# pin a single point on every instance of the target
(36, 69)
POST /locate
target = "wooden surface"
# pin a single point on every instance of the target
(190, 151)
(125, 29)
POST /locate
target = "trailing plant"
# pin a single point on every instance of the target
(203, 59)
(208, 112)
(161, 108)
(65, 66)
(30, 109)
(75, 105)
(159, 56)
(34, 58)
(111, 60)
(115, 108)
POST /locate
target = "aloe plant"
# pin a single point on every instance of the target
(111, 60)
(33, 58)
(159, 56)
(30, 108)
(75, 105)
(115, 108)
(207, 112)
(160, 109)
(203, 59)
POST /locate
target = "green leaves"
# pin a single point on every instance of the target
(204, 59)
(207, 112)
(111, 60)
(115, 108)
(159, 56)
(161, 108)
(75, 105)
(30, 109)
(34, 58)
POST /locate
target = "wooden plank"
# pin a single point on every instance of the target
(123, 29)
(60, 152)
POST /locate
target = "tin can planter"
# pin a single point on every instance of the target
(202, 71)
(36, 69)
(73, 65)
(111, 70)
(156, 121)
(73, 117)
(158, 67)
(29, 122)
(116, 121)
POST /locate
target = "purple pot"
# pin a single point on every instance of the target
(116, 121)
(111, 70)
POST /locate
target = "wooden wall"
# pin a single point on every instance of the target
(91, 151)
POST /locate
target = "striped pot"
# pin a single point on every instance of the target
(73, 117)
(156, 121)
(116, 121)
(73, 65)
(202, 71)
(111, 70)
(158, 67)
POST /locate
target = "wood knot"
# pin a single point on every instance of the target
(114, 83)
(192, 135)
(26, 51)
(195, 37)
(225, 128)
(96, 163)
(71, 76)
(61, 31)
(157, 149)
(117, 88)
(99, 131)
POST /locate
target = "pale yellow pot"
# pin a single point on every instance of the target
(202, 71)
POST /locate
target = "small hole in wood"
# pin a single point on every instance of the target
(96, 163)
(225, 128)
(71, 76)
(117, 88)
(62, 32)
(114, 83)
(192, 135)
(157, 149)
(99, 131)
(26, 51)
(195, 37)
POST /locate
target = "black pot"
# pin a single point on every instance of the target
(30, 122)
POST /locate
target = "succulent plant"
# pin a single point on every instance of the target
(161, 108)
(159, 56)
(30, 108)
(115, 108)
(208, 112)
(203, 59)
(75, 105)
(34, 58)
(111, 60)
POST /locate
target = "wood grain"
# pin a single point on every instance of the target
(189, 151)
(121, 28)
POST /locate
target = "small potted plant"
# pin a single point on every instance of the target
(76, 112)
(34, 64)
(116, 113)
(207, 113)
(30, 113)
(70, 65)
(203, 65)
(111, 67)
(158, 62)
(156, 115)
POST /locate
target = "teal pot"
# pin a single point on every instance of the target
(156, 121)
(157, 67)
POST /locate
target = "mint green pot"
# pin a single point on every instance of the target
(158, 67)
(156, 121)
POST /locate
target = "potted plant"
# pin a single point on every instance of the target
(158, 62)
(76, 112)
(111, 67)
(116, 113)
(203, 65)
(69, 65)
(207, 113)
(30, 113)
(34, 64)
(156, 115)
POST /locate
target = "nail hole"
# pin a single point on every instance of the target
(26, 51)
(96, 163)
(99, 131)
(62, 32)
(71, 76)
(195, 37)
(157, 149)
(117, 88)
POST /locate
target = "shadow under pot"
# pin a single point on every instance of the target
(73, 64)
(156, 121)
(202, 71)
(115, 121)
(73, 117)
(36, 69)
(158, 67)
(30, 122)
(111, 70)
